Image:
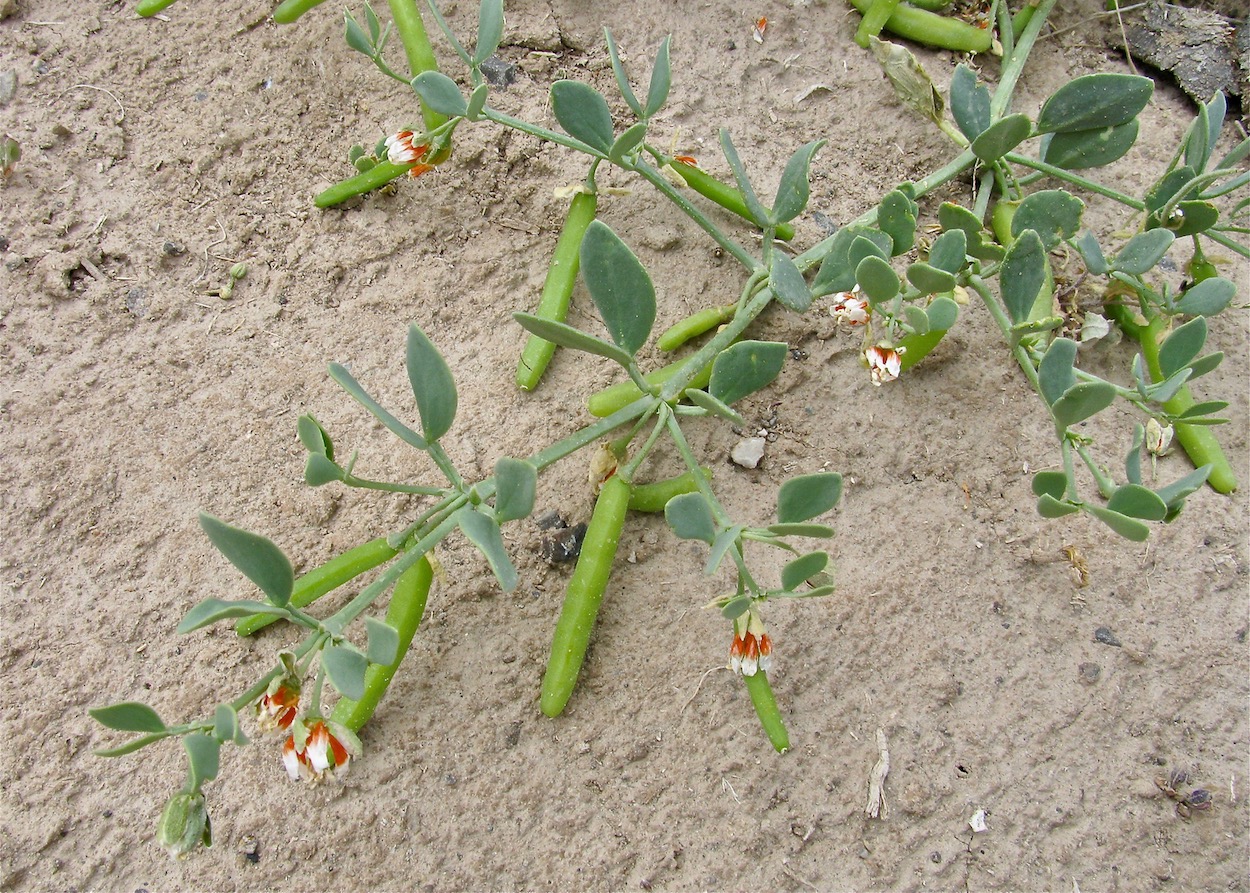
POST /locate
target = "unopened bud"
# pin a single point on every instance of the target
(184, 824)
(238, 271)
(1158, 437)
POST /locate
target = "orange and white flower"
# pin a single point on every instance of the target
(279, 706)
(884, 363)
(400, 149)
(317, 750)
(752, 649)
(849, 309)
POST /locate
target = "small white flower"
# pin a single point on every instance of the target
(884, 364)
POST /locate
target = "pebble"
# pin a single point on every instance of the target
(748, 452)
(498, 72)
(1103, 635)
(8, 87)
(1090, 673)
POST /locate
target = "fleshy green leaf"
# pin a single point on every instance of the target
(318, 471)
(793, 191)
(1174, 493)
(1208, 297)
(836, 272)
(516, 481)
(942, 313)
(1193, 217)
(477, 101)
(489, 30)
(619, 286)
(802, 569)
(1023, 275)
(758, 212)
(929, 279)
(745, 367)
(1055, 373)
(916, 319)
(1081, 401)
(896, 217)
(1182, 346)
(383, 645)
(787, 283)
(1143, 251)
(949, 251)
(574, 339)
(628, 142)
(484, 533)
(706, 401)
(226, 725)
(1053, 214)
(1095, 101)
(1167, 187)
(355, 36)
(128, 716)
(736, 607)
(1137, 501)
(661, 80)
(720, 547)
(1050, 507)
(1205, 364)
(346, 665)
(203, 757)
(970, 102)
(1129, 528)
(1050, 483)
(348, 383)
(440, 93)
(432, 385)
(210, 610)
(1091, 253)
(583, 113)
(956, 217)
(814, 531)
(1082, 149)
(258, 558)
(808, 496)
(1132, 461)
(314, 437)
(869, 243)
(622, 79)
(877, 279)
(1001, 137)
(690, 516)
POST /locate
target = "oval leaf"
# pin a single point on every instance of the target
(1081, 149)
(383, 645)
(314, 437)
(1182, 346)
(877, 279)
(896, 217)
(970, 102)
(808, 496)
(691, 517)
(744, 368)
(226, 724)
(1143, 251)
(1129, 528)
(484, 533)
(1050, 483)
(1095, 101)
(619, 286)
(515, 484)
(794, 191)
(1023, 275)
(1056, 372)
(802, 569)
(128, 716)
(583, 113)
(318, 471)
(1137, 501)
(1001, 137)
(787, 283)
(440, 93)
(203, 757)
(1053, 214)
(1081, 401)
(1050, 507)
(949, 251)
(346, 666)
(1193, 217)
(1208, 297)
(432, 385)
(1091, 253)
(258, 558)
(929, 279)
(942, 313)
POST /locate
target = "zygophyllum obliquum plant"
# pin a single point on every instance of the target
(881, 276)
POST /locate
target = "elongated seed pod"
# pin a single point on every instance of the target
(375, 178)
(933, 30)
(408, 599)
(557, 289)
(290, 10)
(326, 578)
(584, 595)
(694, 325)
(152, 7)
(728, 197)
(603, 403)
(766, 709)
(654, 496)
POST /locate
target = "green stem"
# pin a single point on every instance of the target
(692, 463)
(1076, 180)
(541, 133)
(415, 489)
(1013, 67)
(1106, 486)
(417, 48)
(663, 413)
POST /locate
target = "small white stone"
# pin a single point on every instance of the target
(748, 452)
(977, 822)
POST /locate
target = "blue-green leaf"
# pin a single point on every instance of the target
(210, 610)
(1055, 373)
(1137, 501)
(970, 102)
(1050, 507)
(314, 437)
(896, 217)
(574, 339)
(627, 143)
(707, 402)
(484, 533)
(745, 367)
(690, 516)
(622, 79)
(759, 214)
(619, 285)
(720, 547)
(346, 665)
(787, 283)
(794, 190)
(383, 645)
(226, 725)
(1208, 297)
(1095, 101)
(949, 251)
(942, 313)
(1023, 275)
(432, 385)
(814, 531)
(203, 757)
(1129, 528)
(1001, 137)
(808, 496)
(1182, 346)
(440, 93)
(583, 113)
(661, 80)
(128, 716)
(1081, 401)
(877, 279)
(929, 279)
(319, 471)
(258, 558)
(1081, 149)
(347, 382)
(1091, 253)
(1191, 218)
(489, 30)
(802, 569)
(1143, 251)
(1055, 215)
(516, 481)
(1050, 483)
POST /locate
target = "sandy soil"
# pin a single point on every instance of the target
(158, 153)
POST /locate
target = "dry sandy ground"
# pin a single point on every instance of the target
(158, 153)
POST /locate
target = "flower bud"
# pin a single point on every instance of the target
(184, 824)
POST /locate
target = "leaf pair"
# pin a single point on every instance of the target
(793, 190)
